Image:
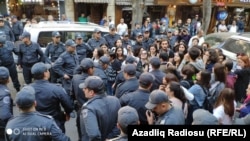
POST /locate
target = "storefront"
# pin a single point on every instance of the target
(35, 8)
(93, 9)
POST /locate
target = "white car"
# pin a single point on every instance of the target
(42, 33)
(236, 44)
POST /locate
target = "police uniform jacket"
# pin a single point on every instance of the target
(134, 33)
(120, 138)
(30, 54)
(158, 78)
(174, 116)
(8, 32)
(98, 71)
(31, 123)
(17, 28)
(125, 44)
(5, 105)
(137, 100)
(111, 39)
(76, 91)
(50, 97)
(120, 78)
(99, 117)
(83, 51)
(53, 51)
(6, 53)
(94, 43)
(147, 42)
(65, 64)
(128, 86)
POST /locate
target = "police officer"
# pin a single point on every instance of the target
(29, 54)
(49, 96)
(126, 42)
(66, 63)
(5, 101)
(120, 77)
(147, 41)
(139, 42)
(97, 39)
(7, 60)
(112, 36)
(17, 27)
(7, 30)
(83, 49)
(139, 98)
(53, 50)
(99, 113)
(135, 31)
(127, 115)
(130, 84)
(86, 69)
(31, 125)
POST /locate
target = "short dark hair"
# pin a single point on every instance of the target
(194, 53)
(164, 56)
(229, 65)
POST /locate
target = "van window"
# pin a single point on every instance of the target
(237, 46)
(45, 37)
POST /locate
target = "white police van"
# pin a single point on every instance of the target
(41, 33)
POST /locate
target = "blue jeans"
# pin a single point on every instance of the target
(110, 90)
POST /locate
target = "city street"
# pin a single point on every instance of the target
(70, 125)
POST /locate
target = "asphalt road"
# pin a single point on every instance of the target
(71, 130)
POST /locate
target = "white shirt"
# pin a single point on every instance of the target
(122, 28)
(233, 28)
(222, 27)
(201, 40)
(222, 117)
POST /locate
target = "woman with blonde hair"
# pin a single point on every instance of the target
(225, 106)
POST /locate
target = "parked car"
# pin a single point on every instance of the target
(236, 44)
(42, 33)
(215, 39)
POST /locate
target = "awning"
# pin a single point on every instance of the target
(91, 1)
(128, 2)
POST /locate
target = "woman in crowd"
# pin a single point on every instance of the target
(243, 73)
(224, 108)
(200, 91)
(178, 57)
(105, 49)
(97, 54)
(177, 96)
(153, 51)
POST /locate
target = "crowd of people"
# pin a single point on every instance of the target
(156, 75)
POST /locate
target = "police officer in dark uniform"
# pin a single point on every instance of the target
(139, 98)
(120, 77)
(31, 125)
(29, 54)
(130, 84)
(53, 50)
(7, 30)
(5, 101)
(135, 31)
(66, 63)
(83, 49)
(126, 42)
(99, 113)
(99, 70)
(49, 96)
(147, 41)
(139, 42)
(126, 116)
(7, 49)
(112, 36)
(86, 69)
(17, 27)
(97, 39)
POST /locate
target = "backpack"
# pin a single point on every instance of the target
(207, 104)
